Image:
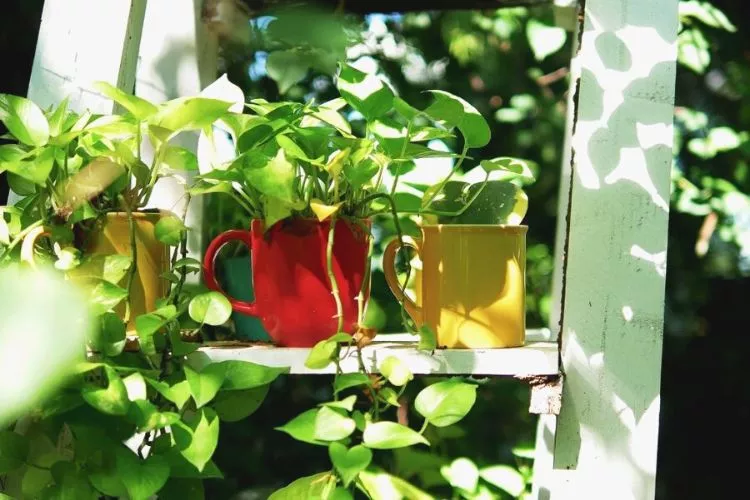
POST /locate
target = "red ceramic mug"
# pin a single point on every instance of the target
(293, 297)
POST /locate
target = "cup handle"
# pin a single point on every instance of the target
(27, 245)
(209, 264)
(389, 269)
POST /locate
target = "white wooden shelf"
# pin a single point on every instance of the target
(538, 357)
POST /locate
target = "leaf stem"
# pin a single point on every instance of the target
(133, 256)
(332, 276)
(19, 237)
(447, 178)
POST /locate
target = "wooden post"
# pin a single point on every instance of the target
(82, 41)
(614, 247)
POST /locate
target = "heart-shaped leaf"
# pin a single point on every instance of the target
(198, 437)
(445, 403)
(396, 371)
(366, 93)
(287, 67)
(302, 427)
(504, 477)
(456, 112)
(205, 384)
(142, 478)
(349, 462)
(14, 449)
(240, 375)
(461, 473)
(139, 108)
(24, 119)
(233, 406)
(330, 425)
(169, 230)
(347, 380)
(345, 404)
(112, 400)
(310, 487)
(211, 308)
(386, 435)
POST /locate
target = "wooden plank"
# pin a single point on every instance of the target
(615, 241)
(535, 358)
(82, 41)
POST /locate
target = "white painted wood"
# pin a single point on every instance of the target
(178, 58)
(605, 438)
(72, 52)
(82, 41)
(535, 358)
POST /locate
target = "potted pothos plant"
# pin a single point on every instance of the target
(472, 250)
(124, 423)
(84, 181)
(310, 178)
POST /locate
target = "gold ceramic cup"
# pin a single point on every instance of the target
(472, 285)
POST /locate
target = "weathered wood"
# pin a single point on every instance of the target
(388, 6)
(535, 358)
(82, 41)
(178, 58)
(615, 240)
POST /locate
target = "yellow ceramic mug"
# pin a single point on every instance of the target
(473, 284)
(113, 237)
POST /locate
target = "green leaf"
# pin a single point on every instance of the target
(190, 113)
(366, 93)
(315, 487)
(693, 50)
(178, 158)
(241, 375)
(330, 425)
(142, 478)
(389, 396)
(387, 435)
(211, 308)
(169, 230)
(141, 109)
(35, 168)
(70, 483)
(198, 437)
(180, 347)
(347, 380)
(321, 355)
(445, 403)
(504, 477)
(333, 118)
(302, 427)
(286, 68)
(383, 485)
(396, 371)
(340, 494)
(147, 417)
(178, 392)
(274, 177)
(115, 267)
(111, 339)
(346, 404)
(24, 119)
(405, 109)
(205, 384)
(509, 168)
(349, 462)
(707, 14)
(456, 112)
(427, 339)
(14, 448)
(112, 400)
(135, 385)
(147, 325)
(58, 117)
(544, 39)
(188, 263)
(360, 173)
(462, 473)
(233, 406)
(182, 489)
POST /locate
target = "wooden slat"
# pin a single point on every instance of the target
(82, 41)
(615, 241)
(535, 358)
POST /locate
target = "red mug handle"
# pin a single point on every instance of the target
(209, 264)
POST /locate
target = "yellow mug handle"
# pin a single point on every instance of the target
(389, 269)
(27, 245)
